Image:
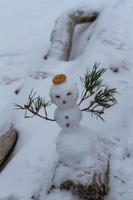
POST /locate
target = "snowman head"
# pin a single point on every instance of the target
(63, 92)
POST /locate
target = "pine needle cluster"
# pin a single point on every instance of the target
(34, 105)
(103, 96)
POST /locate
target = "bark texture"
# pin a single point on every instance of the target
(97, 188)
(7, 144)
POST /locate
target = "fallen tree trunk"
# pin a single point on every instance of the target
(61, 37)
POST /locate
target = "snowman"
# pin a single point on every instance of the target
(74, 143)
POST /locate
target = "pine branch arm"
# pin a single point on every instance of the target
(34, 105)
(102, 95)
(37, 114)
(88, 108)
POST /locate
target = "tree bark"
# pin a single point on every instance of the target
(96, 189)
(7, 144)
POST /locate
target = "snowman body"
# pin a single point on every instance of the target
(73, 143)
(68, 118)
(74, 146)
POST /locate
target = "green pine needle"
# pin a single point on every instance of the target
(34, 105)
(103, 96)
(92, 79)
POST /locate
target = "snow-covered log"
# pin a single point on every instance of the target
(61, 37)
(95, 188)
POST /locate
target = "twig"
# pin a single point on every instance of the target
(34, 105)
(52, 187)
(37, 114)
(103, 96)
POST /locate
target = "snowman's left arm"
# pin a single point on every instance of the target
(102, 96)
(102, 100)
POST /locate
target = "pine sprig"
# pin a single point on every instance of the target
(103, 96)
(34, 105)
(91, 81)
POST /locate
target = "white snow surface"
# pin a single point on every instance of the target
(25, 37)
(75, 145)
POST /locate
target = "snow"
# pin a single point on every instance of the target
(76, 144)
(25, 39)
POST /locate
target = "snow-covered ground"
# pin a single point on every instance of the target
(25, 38)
